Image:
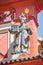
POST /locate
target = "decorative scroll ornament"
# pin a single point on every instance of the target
(7, 16)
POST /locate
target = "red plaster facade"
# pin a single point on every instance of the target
(3, 45)
(20, 7)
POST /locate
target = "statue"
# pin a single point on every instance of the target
(22, 38)
(21, 43)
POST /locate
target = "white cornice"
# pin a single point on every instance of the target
(40, 38)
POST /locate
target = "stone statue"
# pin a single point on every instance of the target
(22, 38)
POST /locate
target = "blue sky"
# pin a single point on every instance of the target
(40, 21)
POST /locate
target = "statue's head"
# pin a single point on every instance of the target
(22, 18)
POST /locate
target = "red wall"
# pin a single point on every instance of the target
(32, 11)
(3, 44)
(33, 39)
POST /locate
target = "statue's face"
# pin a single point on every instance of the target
(22, 19)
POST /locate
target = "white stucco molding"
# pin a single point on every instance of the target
(40, 38)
